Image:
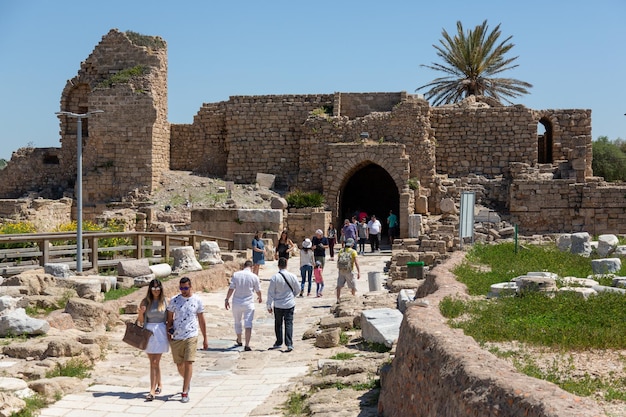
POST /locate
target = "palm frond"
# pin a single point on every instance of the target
(470, 61)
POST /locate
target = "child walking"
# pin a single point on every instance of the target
(319, 279)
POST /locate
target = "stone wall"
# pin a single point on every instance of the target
(438, 371)
(127, 146)
(302, 223)
(45, 215)
(485, 140)
(565, 206)
(225, 223)
(201, 145)
(353, 105)
(35, 170)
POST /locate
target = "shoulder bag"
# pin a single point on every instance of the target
(136, 336)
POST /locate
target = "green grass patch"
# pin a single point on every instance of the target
(75, 367)
(506, 264)
(564, 320)
(296, 405)
(344, 338)
(33, 405)
(342, 356)
(118, 293)
(562, 373)
(300, 199)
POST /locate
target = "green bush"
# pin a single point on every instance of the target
(609, 159)
(300, 199)
(16, 229)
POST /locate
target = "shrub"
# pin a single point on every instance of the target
(300, 199)
(609, 159)
(15, 229)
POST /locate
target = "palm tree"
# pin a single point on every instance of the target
(471, 61)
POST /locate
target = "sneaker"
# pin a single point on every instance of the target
(289, 348)
(275, 346)
(319, 295)
(301, 293)
(184, 397)
(247, 348)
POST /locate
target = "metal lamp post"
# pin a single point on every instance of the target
(79, 181)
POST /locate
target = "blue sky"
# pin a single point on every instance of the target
(573, 53)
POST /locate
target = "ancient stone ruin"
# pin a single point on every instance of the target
(394, 145)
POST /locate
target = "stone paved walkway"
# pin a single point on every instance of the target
(227, 381)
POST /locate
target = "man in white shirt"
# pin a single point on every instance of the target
(281, 300)
(242, 287)
(374, 227)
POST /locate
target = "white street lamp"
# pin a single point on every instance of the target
(79, 181)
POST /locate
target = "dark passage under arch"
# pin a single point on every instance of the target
(370, 189)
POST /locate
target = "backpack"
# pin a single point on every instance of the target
(344, 260)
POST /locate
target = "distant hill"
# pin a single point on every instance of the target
(3, 163)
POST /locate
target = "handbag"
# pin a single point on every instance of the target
(136, 336)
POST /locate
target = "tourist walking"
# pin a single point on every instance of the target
(258, 252)
(284, 246)
(185, 316)
(374, 228)
(348, 231)
(243, 285)
(320, 244)
(319, 278)
(331, 235)
(392, 223)
(363, 235)
(281, 301)
(307, 260)
(153, 315)
(346, 261)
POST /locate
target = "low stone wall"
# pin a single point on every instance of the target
(440, 372)
(226, 223)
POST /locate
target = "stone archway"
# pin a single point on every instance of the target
(380, 164)
(372, 190)
(544, 142)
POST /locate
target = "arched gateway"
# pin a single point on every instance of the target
(372, 177)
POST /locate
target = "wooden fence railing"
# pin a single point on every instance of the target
(19, 252)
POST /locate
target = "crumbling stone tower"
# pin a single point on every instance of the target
(125, 148)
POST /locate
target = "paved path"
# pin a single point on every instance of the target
(227, 382)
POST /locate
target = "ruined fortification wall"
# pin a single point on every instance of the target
(482, 141)
(438, 371)
(353, 105)
(201, 146)
(34, 169)
(128, 144)
(564, 206)
(485, 140)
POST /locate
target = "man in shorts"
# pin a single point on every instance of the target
(243, 285)
(185, 315)
(346, 274)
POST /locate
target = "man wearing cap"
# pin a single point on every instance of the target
(320, 244)
(345, 271)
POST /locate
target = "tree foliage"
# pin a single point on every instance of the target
(471, 62)
(609, 159)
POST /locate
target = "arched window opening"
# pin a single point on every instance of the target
(544, 141)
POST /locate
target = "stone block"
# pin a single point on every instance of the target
(134, 267)
(381, 325)
(344, 323)
(328, 338)
(606, 265)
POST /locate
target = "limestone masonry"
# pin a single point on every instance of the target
(392, 145)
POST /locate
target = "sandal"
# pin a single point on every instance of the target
(157, 391)
(149, 397)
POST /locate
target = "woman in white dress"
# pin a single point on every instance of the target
(153, 314)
